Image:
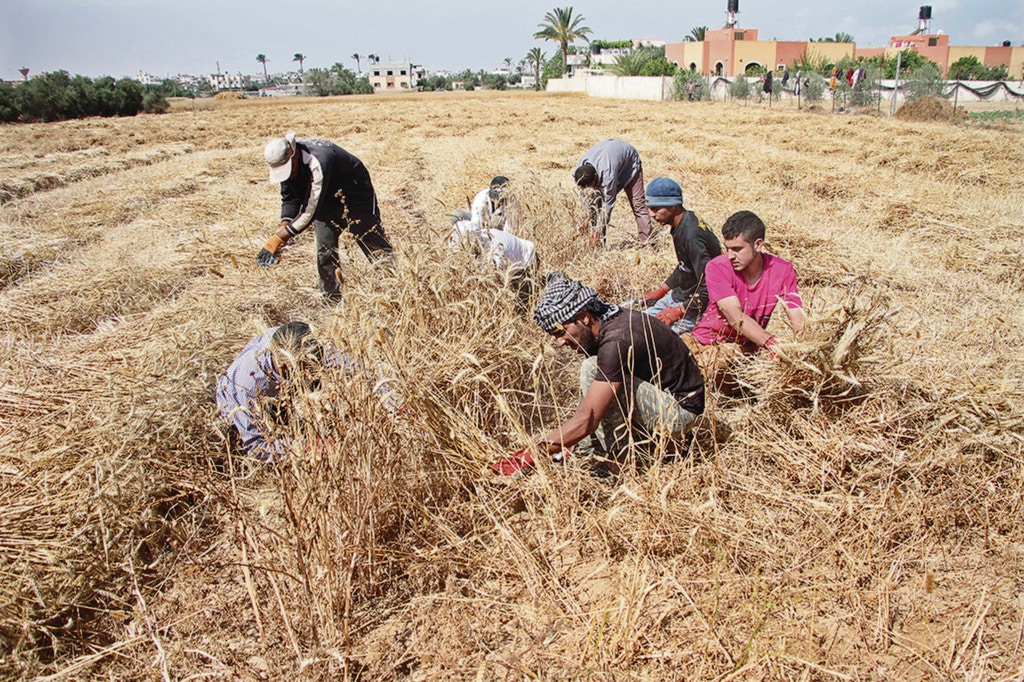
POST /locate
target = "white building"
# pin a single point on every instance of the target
(147, 78)
(227, 81)
(395, 75)
(289, 90)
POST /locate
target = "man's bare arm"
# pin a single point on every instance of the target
(797, 318)
(741, 322)
(593, 407)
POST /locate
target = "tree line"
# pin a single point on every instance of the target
(56, 96)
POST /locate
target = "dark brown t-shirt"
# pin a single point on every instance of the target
(634, 344)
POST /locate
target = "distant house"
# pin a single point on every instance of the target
(147, 78)
(396, 75)
(227, 81)
(734, 51)
(603, 55)
(289, 90)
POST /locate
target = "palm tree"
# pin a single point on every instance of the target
(697, 33)
(633, 62)
(299, 57)
(355, 56)
(262, 59)
(372, 58)
(536, 59)
(562, 27)
(844, 38)
(508, 64)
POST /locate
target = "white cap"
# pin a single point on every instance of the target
(278, 154)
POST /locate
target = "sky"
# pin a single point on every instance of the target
(167, 37)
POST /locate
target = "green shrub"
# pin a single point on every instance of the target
(740, 88)
(924, 81)
(814, 88)
(700, 86)
(153, 102)
(970, 69)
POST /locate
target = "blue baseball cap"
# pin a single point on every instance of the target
(664, 192)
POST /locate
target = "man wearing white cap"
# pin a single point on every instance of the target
(323, 184)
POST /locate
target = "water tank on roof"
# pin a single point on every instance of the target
(925, 13)
(734, 5)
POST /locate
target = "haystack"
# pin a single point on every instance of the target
(927, 109)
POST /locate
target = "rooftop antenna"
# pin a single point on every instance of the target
(733, 8)
(924, 20)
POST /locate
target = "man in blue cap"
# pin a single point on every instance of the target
(681, 300)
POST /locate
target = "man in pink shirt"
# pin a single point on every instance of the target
(744, 286)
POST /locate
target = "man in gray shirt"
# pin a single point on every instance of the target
(607, 168)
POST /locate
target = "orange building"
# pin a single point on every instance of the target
(733, 51)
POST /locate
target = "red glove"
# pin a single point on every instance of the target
(670, 315)
(516, 463)
(772, 346)
(652, 297)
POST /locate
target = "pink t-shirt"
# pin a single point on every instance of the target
(776, 283)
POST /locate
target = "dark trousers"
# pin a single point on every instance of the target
(370, 237)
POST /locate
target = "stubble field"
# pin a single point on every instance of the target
(860, 518)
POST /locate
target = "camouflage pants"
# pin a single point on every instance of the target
(642, 415)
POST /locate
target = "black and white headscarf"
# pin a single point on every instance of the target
(566, 298)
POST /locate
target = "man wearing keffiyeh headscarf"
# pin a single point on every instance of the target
(639, 383)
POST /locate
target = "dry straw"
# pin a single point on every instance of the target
(863, 519)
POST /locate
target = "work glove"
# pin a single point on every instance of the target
(772, 346)
(561, 455)
(670, 315)
(516, 464)
(268, 254)
(652, 297)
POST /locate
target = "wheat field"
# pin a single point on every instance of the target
(859, 518)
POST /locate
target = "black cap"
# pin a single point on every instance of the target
(498, 185)
(585, 175)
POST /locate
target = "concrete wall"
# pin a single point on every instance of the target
(657, 88)
(617, 87)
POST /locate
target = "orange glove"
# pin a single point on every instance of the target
(268, 253)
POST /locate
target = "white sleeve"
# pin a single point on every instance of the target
(306, 217)
(480, 203)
